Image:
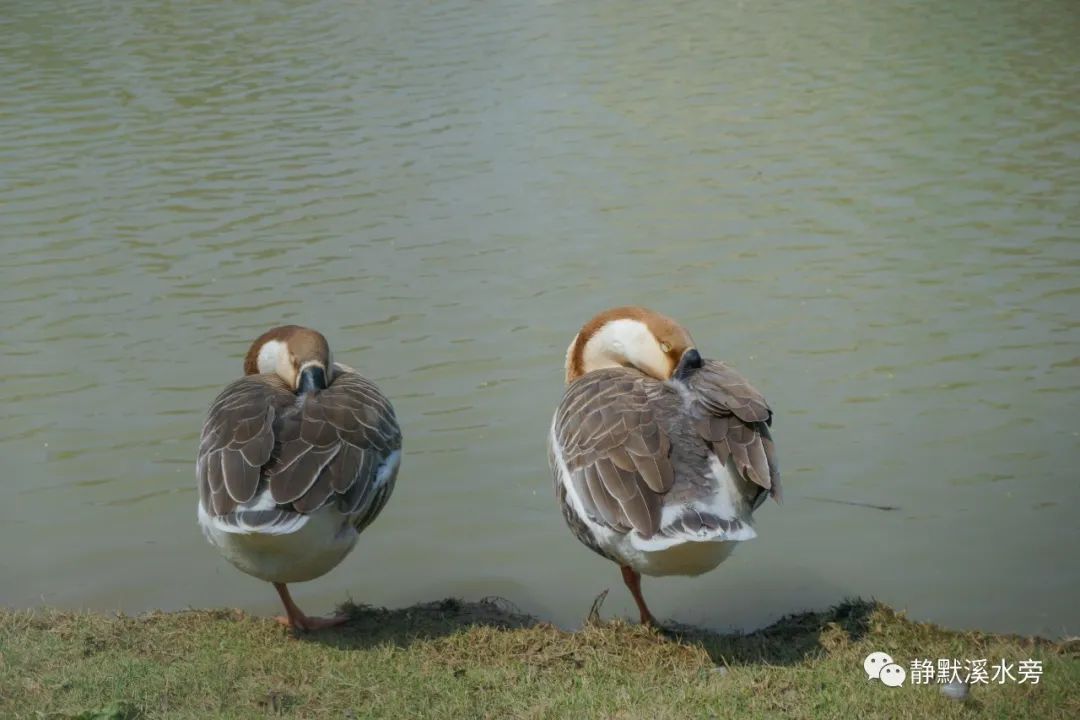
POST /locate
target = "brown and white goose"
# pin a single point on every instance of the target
(296, 459)
(659, 457)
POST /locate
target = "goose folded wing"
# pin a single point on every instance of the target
(333, 449)
(238, 439)
(616, 454)
(735, 418)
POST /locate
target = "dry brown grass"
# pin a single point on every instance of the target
(474, 660)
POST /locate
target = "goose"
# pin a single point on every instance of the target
(659, 456)
(296, 458)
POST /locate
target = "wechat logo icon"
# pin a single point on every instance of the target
(880, 666)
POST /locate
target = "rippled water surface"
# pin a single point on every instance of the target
(870, 208)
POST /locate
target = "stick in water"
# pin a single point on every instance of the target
(856, 503)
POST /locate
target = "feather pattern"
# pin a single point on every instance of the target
(308, 451)
(637, 450)
(739, 421)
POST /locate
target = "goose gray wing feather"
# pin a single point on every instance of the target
(268, 458)
(735, 419)
(614, 448)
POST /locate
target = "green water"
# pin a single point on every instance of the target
(872, 209)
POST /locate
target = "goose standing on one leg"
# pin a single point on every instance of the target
(296, 458)
(659, 457)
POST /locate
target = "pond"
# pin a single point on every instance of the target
(872, 210)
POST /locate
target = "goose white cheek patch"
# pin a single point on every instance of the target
(269, 355)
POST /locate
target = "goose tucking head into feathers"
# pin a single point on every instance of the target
(296, 459)
(659, 456)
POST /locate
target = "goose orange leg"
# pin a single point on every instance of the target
(295, 617)
(632, 579)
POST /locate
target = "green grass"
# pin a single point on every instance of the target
(482, 660)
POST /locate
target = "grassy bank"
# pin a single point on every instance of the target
(477, 660)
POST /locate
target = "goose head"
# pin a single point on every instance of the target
(298, 355)
(632, 336)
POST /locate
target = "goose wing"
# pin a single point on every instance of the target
(267, 458)
(238, 441)
(607, 436)
(734, 418)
